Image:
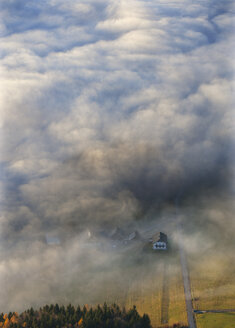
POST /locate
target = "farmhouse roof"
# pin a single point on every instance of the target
(159, 237)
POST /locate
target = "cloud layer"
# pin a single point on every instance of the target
(111, 110)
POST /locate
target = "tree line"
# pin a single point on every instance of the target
(55, 316)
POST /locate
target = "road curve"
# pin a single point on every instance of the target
(187, 288)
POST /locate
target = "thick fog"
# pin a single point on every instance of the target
(113, 114)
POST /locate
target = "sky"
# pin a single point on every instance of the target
(111, 111)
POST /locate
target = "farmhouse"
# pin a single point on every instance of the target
(159, 241)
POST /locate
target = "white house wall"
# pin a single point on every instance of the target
(160, 246)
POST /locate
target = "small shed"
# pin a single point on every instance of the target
(159, 241)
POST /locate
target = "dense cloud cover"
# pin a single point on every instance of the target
(110, 110)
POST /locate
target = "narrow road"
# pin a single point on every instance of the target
(187, 288)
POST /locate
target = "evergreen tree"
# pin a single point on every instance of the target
(145, 321)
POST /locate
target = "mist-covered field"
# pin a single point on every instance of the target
(93, 269)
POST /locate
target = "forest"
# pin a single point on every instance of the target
(55, 316)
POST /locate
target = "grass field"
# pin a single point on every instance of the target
(213, 283)
(135, 277)
(145, 293)
(177, 308)
(213, 288)
(139, 282)
(216, 320)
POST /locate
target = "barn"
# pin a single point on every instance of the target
(159, 241)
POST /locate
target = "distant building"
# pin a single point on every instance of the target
(133, 236)
(159, 241)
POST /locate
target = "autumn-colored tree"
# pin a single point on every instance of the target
(80, 322)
